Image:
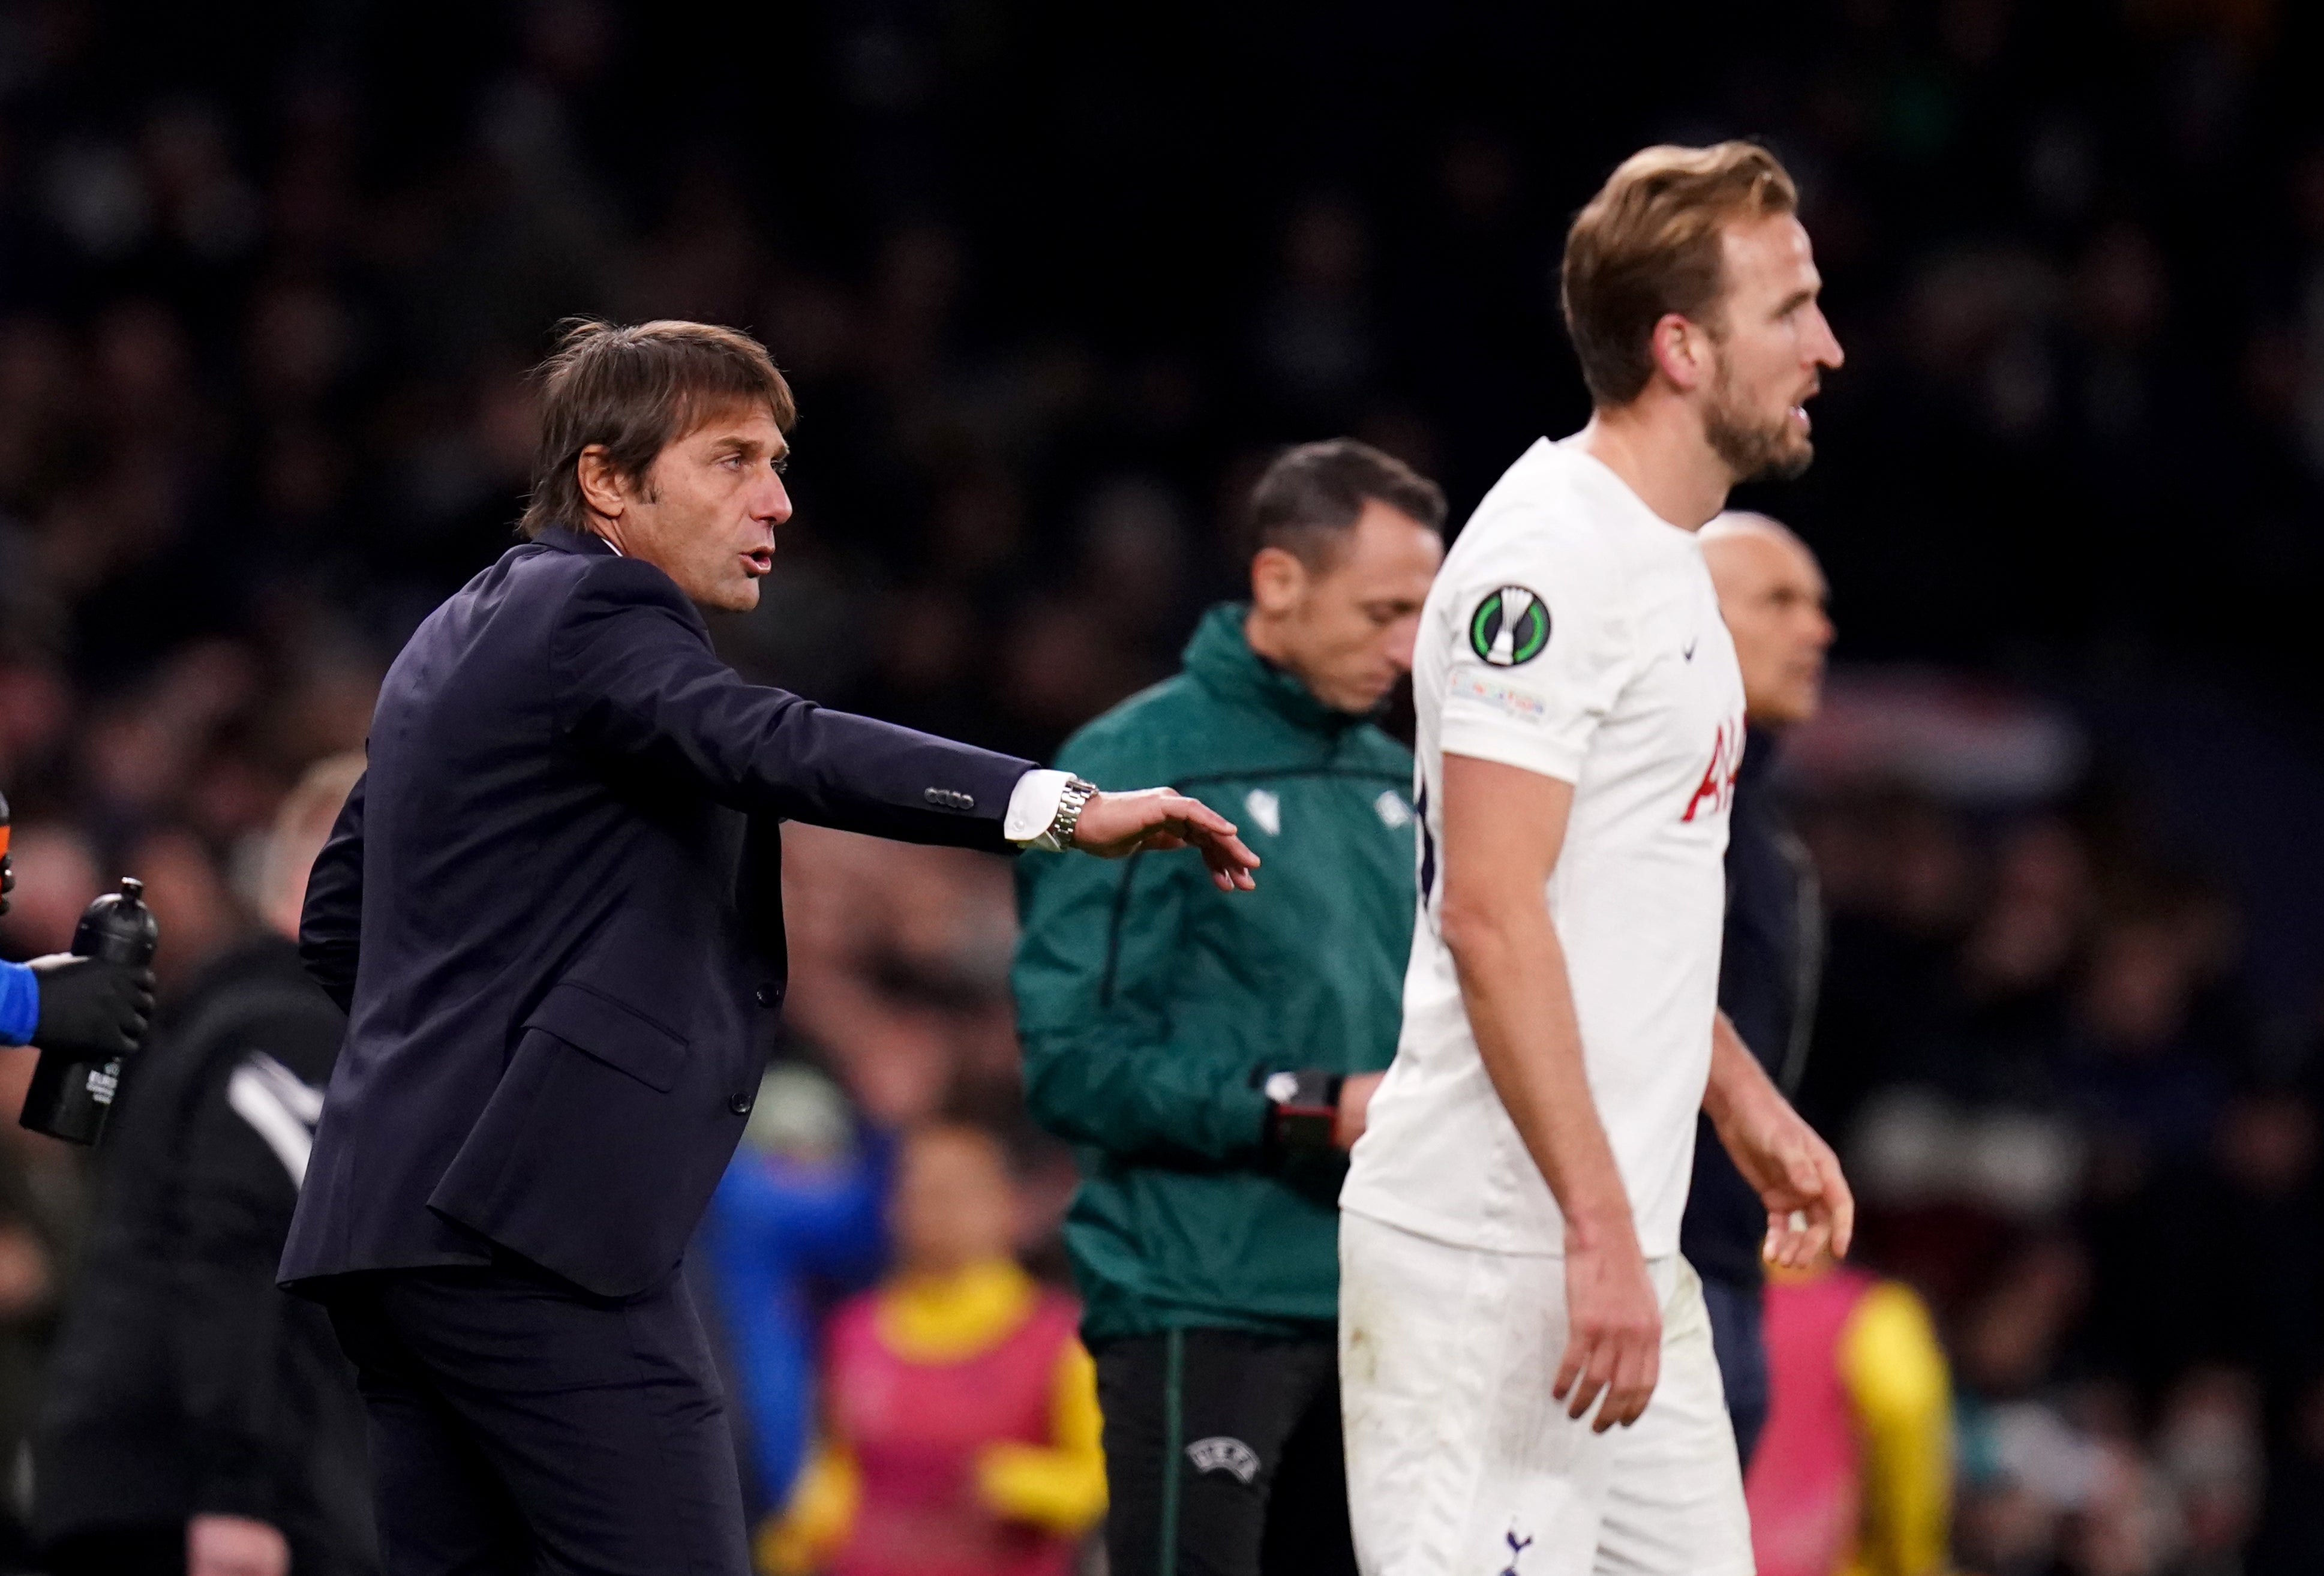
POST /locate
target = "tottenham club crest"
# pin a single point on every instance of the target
(1511, 626)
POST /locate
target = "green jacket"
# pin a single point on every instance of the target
(1152, 1005)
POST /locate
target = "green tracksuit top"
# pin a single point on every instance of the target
(1152, 1005)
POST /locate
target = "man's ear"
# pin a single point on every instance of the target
(601, 484)
(1278, 580)
(1682, 351)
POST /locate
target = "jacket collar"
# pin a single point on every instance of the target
(566, 539)
(1220, 660)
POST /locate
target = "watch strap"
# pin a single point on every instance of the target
(1072, 799)
(1303, 1108)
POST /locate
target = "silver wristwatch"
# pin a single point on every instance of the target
(1072, 799)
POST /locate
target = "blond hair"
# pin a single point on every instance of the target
(302, 825)
(1648, 245)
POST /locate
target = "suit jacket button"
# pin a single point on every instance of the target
(740, 1104)
(770, 995)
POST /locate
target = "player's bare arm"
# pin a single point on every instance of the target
(1504, 827)
(1797, 1176)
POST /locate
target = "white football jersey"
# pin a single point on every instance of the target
(1574, 632)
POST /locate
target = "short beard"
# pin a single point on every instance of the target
(1768, 452)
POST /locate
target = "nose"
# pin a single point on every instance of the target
(1824, 344)
(1824, 631)
(1403, 635)
(773, 500)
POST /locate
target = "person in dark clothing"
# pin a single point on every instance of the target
(553, 909)
(1212, 1062)
(197, 1420)
(87, 1007)
(1771, 594)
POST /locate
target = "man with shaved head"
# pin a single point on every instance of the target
(1771, 594)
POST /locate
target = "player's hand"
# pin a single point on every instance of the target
(1355, 1106)
(1614, 1341)
(1797, 1176)
(1114, 824)
(235, 1545)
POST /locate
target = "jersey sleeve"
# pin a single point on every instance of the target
(1119, 1054)
(1894, 1371)
(1542, 645)
(20, 1004)
(1058, 1487)
(242, 1154)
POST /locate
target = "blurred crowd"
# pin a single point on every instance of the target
(2071, 1133)
(1048, 289)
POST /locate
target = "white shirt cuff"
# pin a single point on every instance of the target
(1032, 806)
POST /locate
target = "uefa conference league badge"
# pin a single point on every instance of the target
(1509, 627)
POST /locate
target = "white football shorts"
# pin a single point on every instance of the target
(1460, 1463)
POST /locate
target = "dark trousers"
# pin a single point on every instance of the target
(1223, 1456)
(153, 1549)
(1739, 1339)
(125, 1551)
(520, 1424)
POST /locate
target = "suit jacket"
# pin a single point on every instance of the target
(1769, 970)
(552, 908)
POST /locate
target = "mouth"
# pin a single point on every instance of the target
(758, 561)
(1799, 412)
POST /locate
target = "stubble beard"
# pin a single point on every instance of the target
(1755, 451)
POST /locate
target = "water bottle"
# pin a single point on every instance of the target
(71, 1096)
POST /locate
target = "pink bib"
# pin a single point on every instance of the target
(917, 1429)
(1805, 1485)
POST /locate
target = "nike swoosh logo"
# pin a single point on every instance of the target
(1689, 650)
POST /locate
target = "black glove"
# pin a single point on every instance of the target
(89, 1007)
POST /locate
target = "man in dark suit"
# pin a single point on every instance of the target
(1771, 595)
(552, 908)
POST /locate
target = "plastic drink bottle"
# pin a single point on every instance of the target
(70, 1096)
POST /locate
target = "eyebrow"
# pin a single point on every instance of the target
(737, 445)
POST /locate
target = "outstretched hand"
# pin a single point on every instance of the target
(1114, 824)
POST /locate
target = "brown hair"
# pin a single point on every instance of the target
(636, 388)
(1310, 495)
(1649, 244)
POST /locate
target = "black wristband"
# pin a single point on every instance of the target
(1303, 1109)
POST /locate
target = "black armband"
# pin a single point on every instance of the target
(1303, 1110)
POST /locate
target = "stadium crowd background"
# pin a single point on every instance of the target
(1049, 281)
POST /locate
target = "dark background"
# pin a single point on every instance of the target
(2069, 249)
